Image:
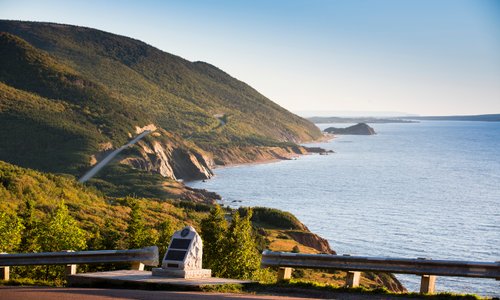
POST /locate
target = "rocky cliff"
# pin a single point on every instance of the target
(168, 155)
(312, 240)
(257, 154)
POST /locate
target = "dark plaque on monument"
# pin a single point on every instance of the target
(175, 255)
(180, 244)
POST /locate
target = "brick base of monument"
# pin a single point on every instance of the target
(187, 274)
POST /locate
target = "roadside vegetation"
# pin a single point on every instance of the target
(46, 212)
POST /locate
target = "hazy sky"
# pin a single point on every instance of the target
(426, 57)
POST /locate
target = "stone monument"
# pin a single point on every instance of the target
(183, 256)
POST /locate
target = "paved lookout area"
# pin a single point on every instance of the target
(145, 280)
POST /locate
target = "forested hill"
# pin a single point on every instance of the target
(68, 94)
(484, 118)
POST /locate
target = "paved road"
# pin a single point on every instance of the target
(41, 293)
(110, 156)
(46, 293)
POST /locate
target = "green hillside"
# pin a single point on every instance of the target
(94, 212)
(46, 212)
(68, 94)
(176, 94)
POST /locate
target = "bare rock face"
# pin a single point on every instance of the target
(311, 240)
(241, 155)
(170, 158)
(190, 165)
(358, 129)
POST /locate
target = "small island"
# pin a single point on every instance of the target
(358, 129)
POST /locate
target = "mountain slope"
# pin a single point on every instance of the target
(69, 94)
(178, 95)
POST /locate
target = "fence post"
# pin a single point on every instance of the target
(137, 265)
(4, 271)
(427, 284)
(70, 269)
(284, 274)
(352, 279)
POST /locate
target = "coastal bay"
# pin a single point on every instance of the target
(424, 189)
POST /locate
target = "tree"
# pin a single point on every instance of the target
(29, 238)
(60, 231)
(242, 257)
(10, 232)
(213, 234)
(138, 234)
(165, 232)
(106, 237)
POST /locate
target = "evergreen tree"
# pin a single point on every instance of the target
(165, 232)
(242, 257)
(111, 237)
(213, 234)
(29, 238)
(10, 232)
(138, 235)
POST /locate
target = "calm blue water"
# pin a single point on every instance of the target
(429, 189)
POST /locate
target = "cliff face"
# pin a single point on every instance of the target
(169, 156)
(241, 155)
(312, 240)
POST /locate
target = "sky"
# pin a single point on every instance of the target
(427, 57)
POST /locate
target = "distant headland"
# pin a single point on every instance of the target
(323, 120)
(405, 119)
(358, 129)
(484, 118)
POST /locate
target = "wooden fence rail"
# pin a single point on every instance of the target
(426, 268)
(138, 257)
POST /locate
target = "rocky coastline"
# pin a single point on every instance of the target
(172, 157)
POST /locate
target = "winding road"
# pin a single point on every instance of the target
(110, 157)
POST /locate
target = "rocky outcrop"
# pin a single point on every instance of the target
(318, 150)
(256, 154)
(387, 280)
(189, 164)
(168, 156)
(242, 155)
(312, 240)
(200, 195)
(358, 129)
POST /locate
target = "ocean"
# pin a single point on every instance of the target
(429, 189)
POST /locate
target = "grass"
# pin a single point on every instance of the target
(282, 242)
(31, 282)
